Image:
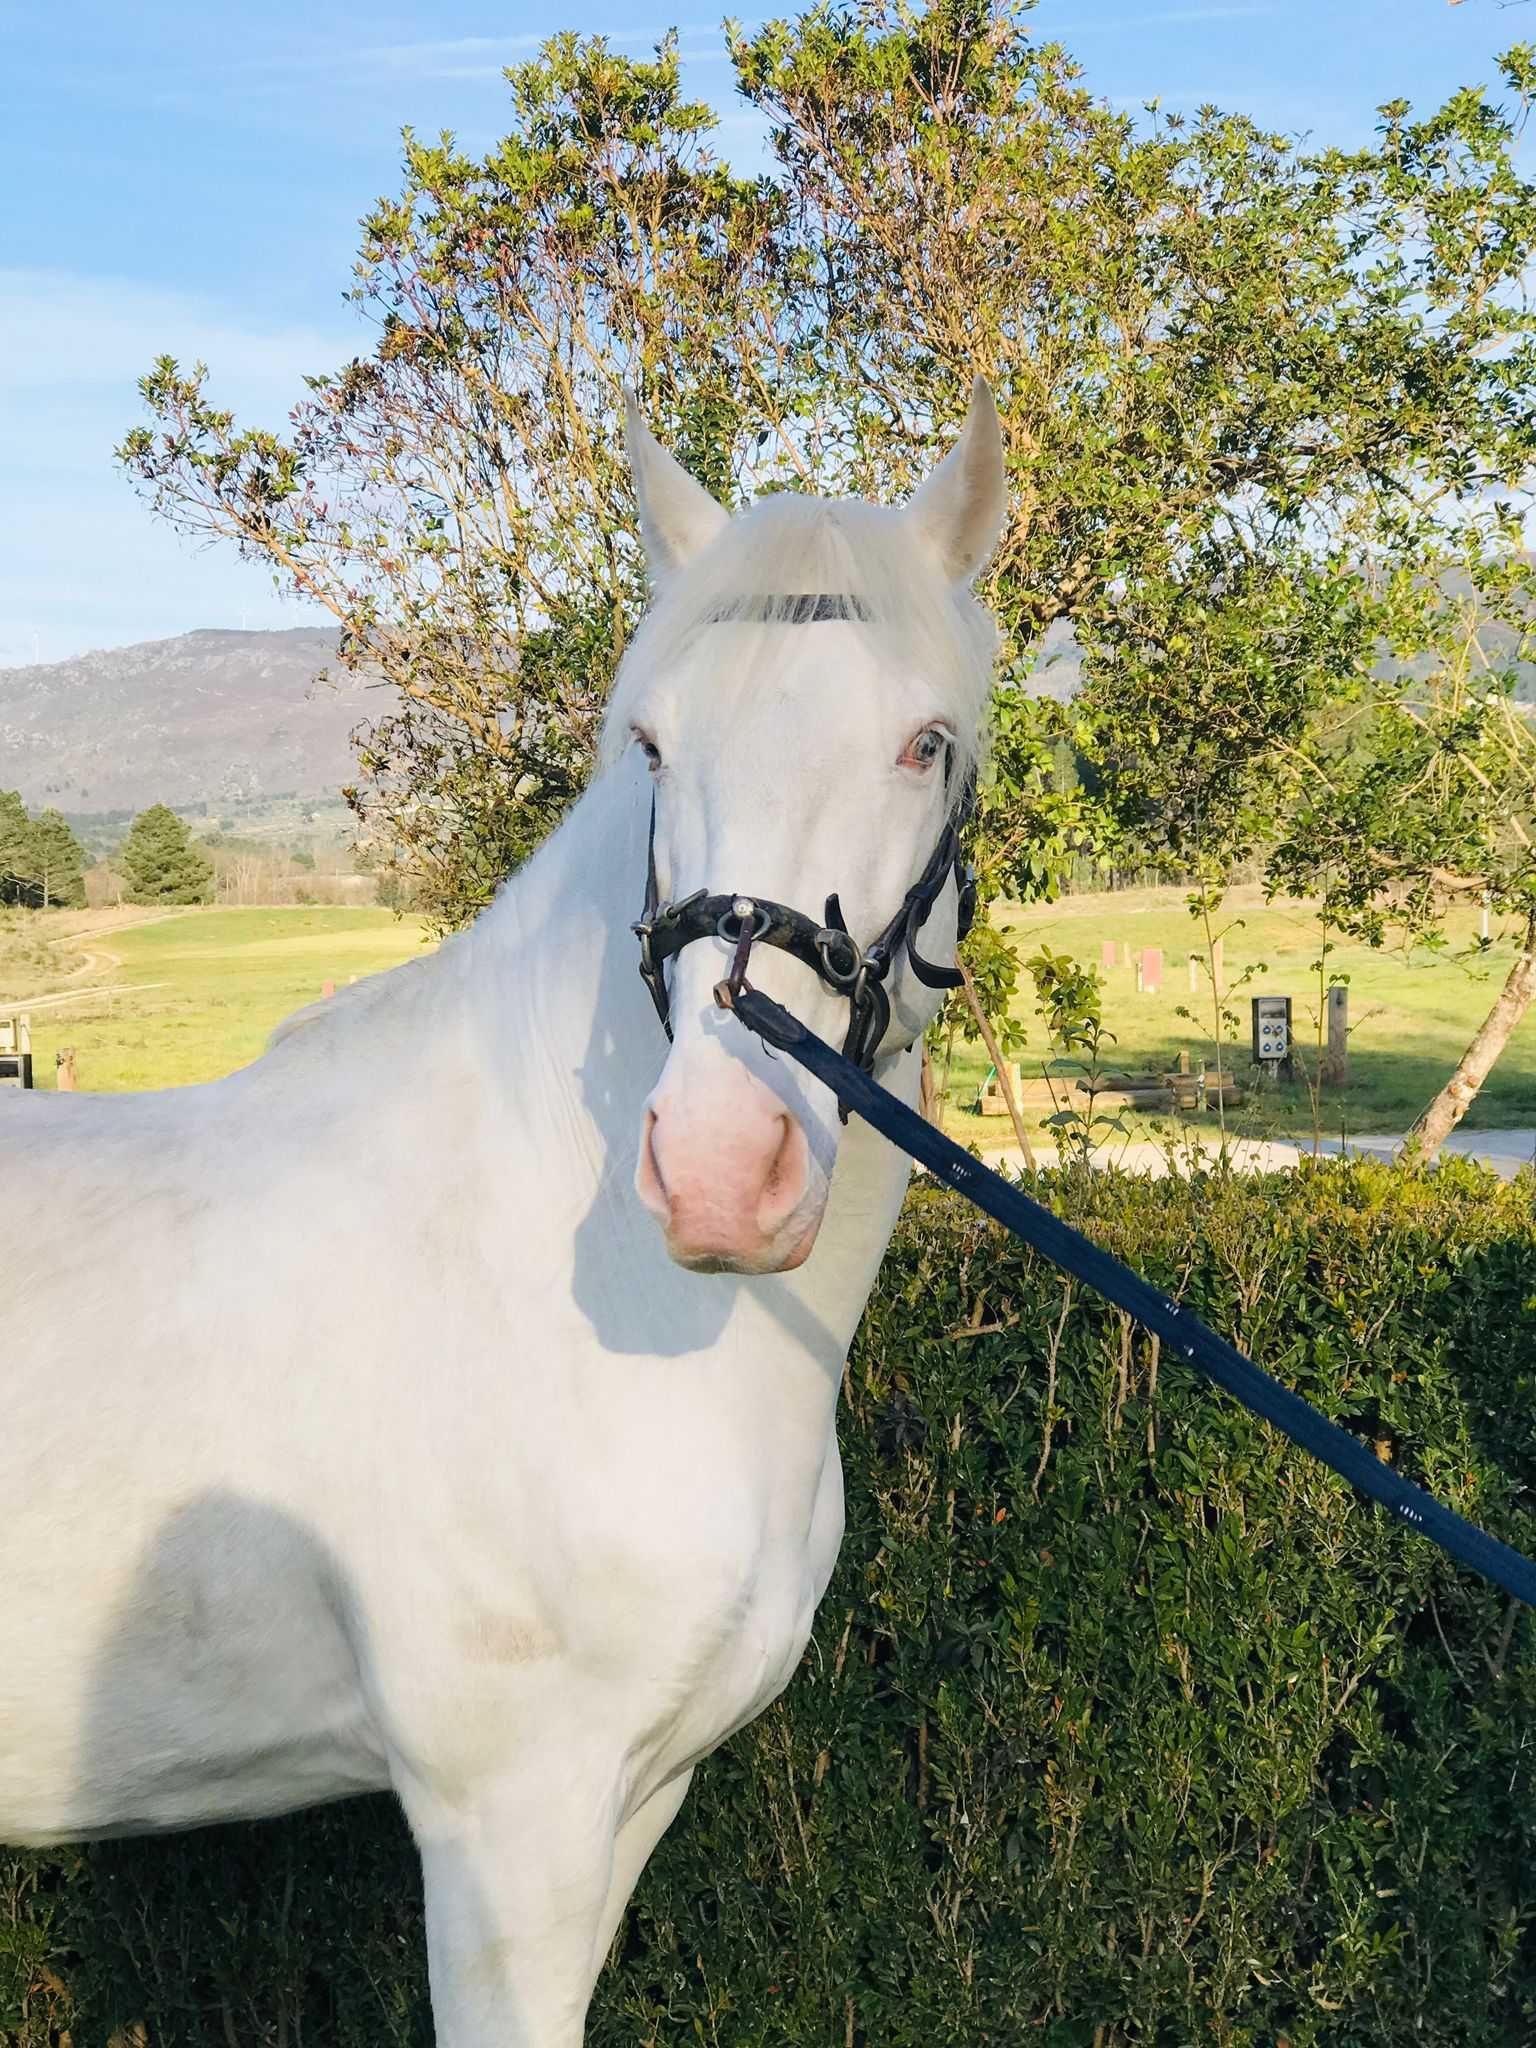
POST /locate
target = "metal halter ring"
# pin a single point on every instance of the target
(829, 939)
(737, 916)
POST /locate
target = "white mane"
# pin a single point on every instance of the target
(357, 1000)
(788, 546)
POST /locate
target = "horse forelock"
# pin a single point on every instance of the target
(760, 578)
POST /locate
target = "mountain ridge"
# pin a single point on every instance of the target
(218, 714)
(227, 716)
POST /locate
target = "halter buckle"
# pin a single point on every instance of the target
(669, 913)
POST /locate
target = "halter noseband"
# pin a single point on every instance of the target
(829, 949)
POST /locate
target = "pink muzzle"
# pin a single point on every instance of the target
(730, 1178)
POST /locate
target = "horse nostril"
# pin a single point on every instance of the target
(649, 1185)
(779, 1165)
(785, 1182)
(725, 1179)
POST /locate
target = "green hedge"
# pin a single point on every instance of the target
(1122, 1722)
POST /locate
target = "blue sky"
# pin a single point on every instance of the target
(188, 178)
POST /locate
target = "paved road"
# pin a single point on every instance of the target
(1505, 1151)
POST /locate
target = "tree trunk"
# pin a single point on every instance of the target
(999, 1064)
(1493, 1034)
(930, 1095)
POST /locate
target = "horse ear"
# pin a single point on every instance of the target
(678, 517)
(959, 511)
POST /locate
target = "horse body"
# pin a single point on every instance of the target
(383, 1490)
(360, 1431)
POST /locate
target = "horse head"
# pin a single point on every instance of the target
(806, 695)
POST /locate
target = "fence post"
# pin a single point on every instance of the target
(1336, 1063)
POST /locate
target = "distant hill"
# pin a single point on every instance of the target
(220, 718)
(224, 722)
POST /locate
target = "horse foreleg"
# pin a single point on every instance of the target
(631, 1852)
(517, 1878)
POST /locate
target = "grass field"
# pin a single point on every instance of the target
(202, 989)
(1411, 1014)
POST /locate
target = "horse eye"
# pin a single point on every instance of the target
(649, 748)
(925, 748)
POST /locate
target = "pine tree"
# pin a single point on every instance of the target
(160, 862)
(57, 861)
(16, 849)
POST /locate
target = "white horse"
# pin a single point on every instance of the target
(358, 1425)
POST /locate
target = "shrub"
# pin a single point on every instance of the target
(1123, 1722)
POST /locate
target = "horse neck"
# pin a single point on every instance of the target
(551, 976)
(549, 970)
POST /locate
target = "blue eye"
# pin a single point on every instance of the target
(924, 748)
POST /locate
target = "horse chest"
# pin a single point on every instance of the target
(725, 1642)
(745, 1645)
(656, 1616)
(725, 1585)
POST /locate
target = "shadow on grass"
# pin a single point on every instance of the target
(306, 1929)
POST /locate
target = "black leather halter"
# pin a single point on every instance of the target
(829, 949)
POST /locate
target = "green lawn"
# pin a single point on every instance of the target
(228, 976)
(225, 978)
(1411, 1015)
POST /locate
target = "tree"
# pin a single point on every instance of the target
(42, 863)
(1422, 795)
(16, 848)
(1252, 395)
(58, 861)
(455, 498)
(160, 862)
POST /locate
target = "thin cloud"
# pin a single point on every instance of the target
(485, 57)
(60, 331)
(1170, 17)
(459, 57)
(82, 561)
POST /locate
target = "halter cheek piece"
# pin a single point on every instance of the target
(829, 949)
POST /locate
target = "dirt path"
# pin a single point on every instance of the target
(89, 963)
(101, 959)
(88, 960)
(98, 922)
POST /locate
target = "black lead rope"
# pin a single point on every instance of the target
(1079, 1256)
